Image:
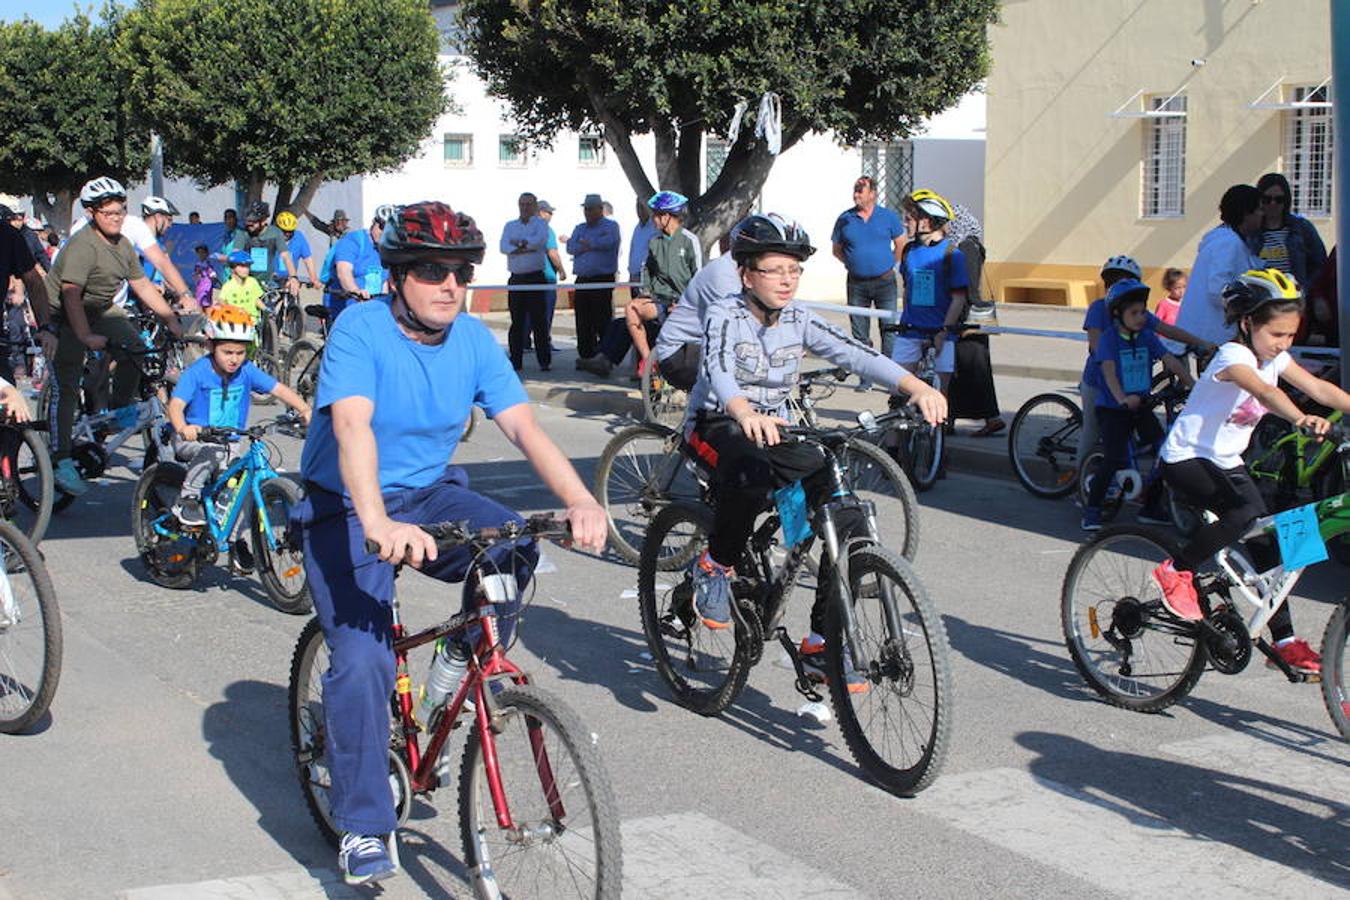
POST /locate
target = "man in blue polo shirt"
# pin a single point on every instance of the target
(357, 269)
(868, 239)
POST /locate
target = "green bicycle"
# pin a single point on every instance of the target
(1291, 468)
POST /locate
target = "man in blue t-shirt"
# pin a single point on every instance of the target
(357, 271)
(214, 393)
(868, 239)
(397, 382)
(298, 245)
(935, 286)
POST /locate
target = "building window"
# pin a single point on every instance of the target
(590, 151)
(1164, 186)
(714, 158)
(1308, 153)
(892, 165)
(459, 150)
(510, 152)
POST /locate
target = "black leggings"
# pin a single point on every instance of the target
(1232, 496)
(1116, 424)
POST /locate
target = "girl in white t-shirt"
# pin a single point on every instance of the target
(1202, 456)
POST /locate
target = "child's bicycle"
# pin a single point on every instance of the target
(30, 633)
(1140, 467)
(880, 624)
(536, 811)
(1290, 467)
(919, 450)
(173, 554)
(1137, 655)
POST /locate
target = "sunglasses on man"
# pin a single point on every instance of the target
(437, 272)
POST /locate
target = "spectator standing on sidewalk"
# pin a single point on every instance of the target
(867, 239)
(554, 271)
(524, 243)
(972, 394)
(640, 242)
(594, 247)
(1222, 256)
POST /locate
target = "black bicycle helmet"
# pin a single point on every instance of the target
(258, 211)
(429, 228)
(769, 233)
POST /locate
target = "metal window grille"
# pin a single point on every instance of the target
(1164, 186)
(459, 150)
(714, 158)
(510, 152)
(1308, 153)
(590, 150)
(892, 165)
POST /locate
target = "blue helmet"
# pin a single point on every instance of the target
(668, 201)
(1123, 290)
(238, 257)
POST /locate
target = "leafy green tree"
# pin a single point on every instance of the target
(288, 92)
(65, 112)
(861, 69)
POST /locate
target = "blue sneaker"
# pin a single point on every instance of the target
(1092, 518)
(68, 480)
(364, 858)
(712, 592)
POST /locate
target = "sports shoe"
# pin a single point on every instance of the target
(364, 858)
(1092, 519)
(188, 511)
(68, 480)
(812, 649)
(1178, 592)
(712, 592)
(1151, 516)
(1298, 656)
(598, 364)
(241, 557)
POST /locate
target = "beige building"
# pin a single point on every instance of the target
(1114, 126)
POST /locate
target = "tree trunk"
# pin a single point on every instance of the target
(730, 198)
(58, 214)
(300, 205)
(667, 173)
(253, 191)
(689, 161)
(284, 191)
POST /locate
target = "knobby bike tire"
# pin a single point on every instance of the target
(169, 563)
(287, 594)
(909, 674)
(587, 855)
(300, 368)
(32, 483)
(1099, 662)
(1335, 687)
(1026, 460)
(268, 356)
(925, 446)
(304, 706)
(20, 556)
(672, 627)
(862, 460)
(624, 485)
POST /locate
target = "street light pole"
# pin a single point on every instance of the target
(1340, 75)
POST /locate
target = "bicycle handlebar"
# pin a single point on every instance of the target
(456, 534)
(220, 434)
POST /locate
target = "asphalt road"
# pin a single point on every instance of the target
(163, 769)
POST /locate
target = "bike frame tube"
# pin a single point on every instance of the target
(247, 487)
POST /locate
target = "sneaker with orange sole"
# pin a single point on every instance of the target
(1178, 592)
(812, 650)
(1298, 656)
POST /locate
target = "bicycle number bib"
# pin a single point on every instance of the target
(1136, 368)
(373, 282)
(1299, 538)
(924, 290)
(791, 502)
(259, 256)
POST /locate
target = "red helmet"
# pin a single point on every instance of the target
(429, 228)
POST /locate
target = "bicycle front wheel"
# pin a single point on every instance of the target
(640, 472)
(28, 494)
(300, 369)
(874, 475)
(281, 568)
(1043, 445)
(564, 840)
(1335, 686)
(895, 702)
(1123, 641)
(267, 355)
(30, 633)
(309, 730)
(705, 668)
(924, 453)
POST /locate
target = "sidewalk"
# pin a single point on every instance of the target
(1023, 367)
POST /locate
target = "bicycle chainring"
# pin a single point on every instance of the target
(1230, 649)
(749, 628)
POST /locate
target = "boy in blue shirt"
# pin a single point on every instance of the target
(935, 286)
(1125, 356)
(214, 392)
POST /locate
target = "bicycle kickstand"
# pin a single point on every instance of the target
(803, 684)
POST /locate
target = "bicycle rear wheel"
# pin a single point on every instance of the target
(662, 402)
(565, 842)
(267, 356)
(1043, 445)
(705, 669)
(874, 475)
(300, 369)
(639, 473)
(28, 494)
(1335, 660)
(923, 452)
(898, 726)
(1123, 641)
(30, 633)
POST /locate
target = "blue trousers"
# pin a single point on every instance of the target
(353, 594)
(881, 292)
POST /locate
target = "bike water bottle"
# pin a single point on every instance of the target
(447, 670)
(224, 499)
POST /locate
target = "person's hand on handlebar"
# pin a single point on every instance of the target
(1313, 425)
(190, 432)
(928, 400)
(761, 428)
(590, 525)
(402, 543)
(16, 407)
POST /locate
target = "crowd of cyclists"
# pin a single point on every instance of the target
(404, 366)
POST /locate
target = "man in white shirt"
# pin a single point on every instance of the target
(524, 242)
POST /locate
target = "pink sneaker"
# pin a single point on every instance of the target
(1298, 656)
(1178, 592)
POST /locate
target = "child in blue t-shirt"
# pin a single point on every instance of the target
(936, 284)
(1125, 355)
(214, 392)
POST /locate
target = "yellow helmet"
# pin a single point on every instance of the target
(933, 205)
(1254, 289)
(287, 221)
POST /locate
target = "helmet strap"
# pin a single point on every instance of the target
(770, 314)
(408, 319)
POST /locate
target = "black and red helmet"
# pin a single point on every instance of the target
(430, 228)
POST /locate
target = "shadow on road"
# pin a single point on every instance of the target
(1161, 793)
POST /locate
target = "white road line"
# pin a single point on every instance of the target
(658, 854)
(1125, 849)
